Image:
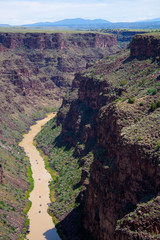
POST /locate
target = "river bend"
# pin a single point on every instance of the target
(41, 224)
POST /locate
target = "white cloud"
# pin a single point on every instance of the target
(22, 12)
(16, 12)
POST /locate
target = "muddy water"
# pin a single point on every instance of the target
(41, 224)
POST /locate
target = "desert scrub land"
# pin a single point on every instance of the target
(16, 173)
(143, 221)
(122, 92)
(31, 82)
(15, 183)
(137, 82)
(61, 159)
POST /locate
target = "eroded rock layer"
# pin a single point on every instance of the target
(36, 70)
(112, 119)
(40, 65)
(145, 46)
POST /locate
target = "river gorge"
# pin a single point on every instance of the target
(41, 224)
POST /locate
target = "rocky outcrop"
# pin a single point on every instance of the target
(121, 175)
(143, 223)
(1, 174)
(145, 46)
(104, 115)
(41, 65)
(124, 37)
(58, 41)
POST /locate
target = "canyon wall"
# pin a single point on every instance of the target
(36, 70)
(124, 37)
(40, 65)
(109, 114)
(145, 46)
(56, 40)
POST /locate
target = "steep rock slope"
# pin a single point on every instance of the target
(146, 46)
(40, 63)
(113, 111)
(35, 72)
(38, 68)
(124, 37)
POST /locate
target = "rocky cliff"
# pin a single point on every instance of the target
(36, 70)
(40, 65)
(56, 40)
(124, 37)
(113, 114)
(145, 46)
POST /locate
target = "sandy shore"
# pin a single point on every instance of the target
(41, 224)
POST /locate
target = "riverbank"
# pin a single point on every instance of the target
(41, 224)
(66, 185)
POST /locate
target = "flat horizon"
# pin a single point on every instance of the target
(77, 18)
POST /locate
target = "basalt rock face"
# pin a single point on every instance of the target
(42, 66)
(121, 174)
(123, 37)
(36, 70)
(110, 114)
(56, 40)
(146, 220)
(145, 46)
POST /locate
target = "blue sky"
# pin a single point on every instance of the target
(17, 12)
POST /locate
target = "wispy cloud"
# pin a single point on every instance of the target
(18, 12)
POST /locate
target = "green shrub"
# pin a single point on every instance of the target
(142, 82)
(118, 222)
(141, 104)
(131, 100)
(158, 145)
(4, 221)
(123, 82)
(139, 138)
(152, 91)
(65, 186)
(153, 107)
(158, 103)
(11, 227)
(92, 74)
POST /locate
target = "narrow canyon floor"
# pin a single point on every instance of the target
(41, 224)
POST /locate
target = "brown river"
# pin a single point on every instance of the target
(41, 224)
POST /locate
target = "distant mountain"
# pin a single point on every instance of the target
(151, 20)
(156, 20)
(4, 25)
(70, 22)
(87, 24)
(80, 21)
